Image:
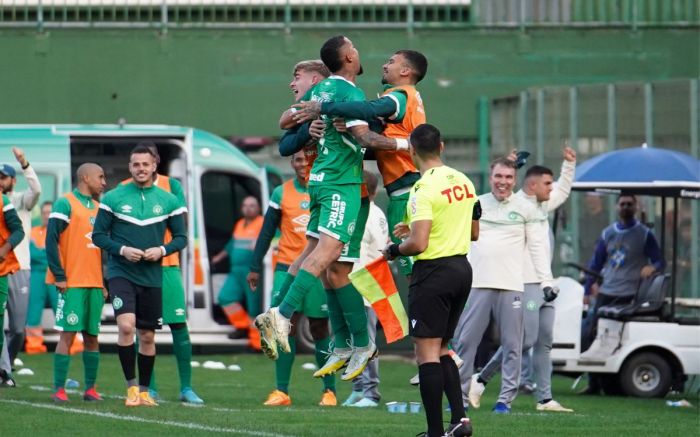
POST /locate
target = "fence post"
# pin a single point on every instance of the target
(695, 209)
(484, 131)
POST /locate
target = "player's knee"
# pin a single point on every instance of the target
(90, 342)
(147, 338)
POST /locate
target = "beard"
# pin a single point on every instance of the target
(384, 81)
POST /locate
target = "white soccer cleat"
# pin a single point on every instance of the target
(280, 327)
(336, 361)
(415, 380)
(553, 406)
(358, 361)
(476, 389)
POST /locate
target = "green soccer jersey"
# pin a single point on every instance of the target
(339, 158)
(137, 217)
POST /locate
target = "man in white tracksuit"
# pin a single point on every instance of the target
(538, 317)
(498, 259)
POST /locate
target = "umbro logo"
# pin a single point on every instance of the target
(127, 208)
(301, 220)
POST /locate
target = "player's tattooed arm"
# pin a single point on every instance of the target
(373, 140)
(286, 120)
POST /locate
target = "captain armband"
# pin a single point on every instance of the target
(401, 144)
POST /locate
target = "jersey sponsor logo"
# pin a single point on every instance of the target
(457, 192)
(117, 303)
(317, 177)
(72, 319)
(127, 209)
(157, 209)
(337, 215)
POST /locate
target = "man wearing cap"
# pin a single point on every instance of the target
(18, 296)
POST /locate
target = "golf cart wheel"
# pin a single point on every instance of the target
(646, 375)
(305, 342)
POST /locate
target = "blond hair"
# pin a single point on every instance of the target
(312, 66)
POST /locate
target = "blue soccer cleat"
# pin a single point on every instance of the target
(501, 408)
(188, 396)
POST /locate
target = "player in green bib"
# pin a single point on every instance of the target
(334, 190)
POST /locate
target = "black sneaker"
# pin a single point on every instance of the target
(6, 380)
(238, 334)
(461, 429)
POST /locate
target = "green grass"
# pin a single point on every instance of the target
(233, 406)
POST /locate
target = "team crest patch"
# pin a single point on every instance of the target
(158, 209)
(304, 204)
(72, 319)
(117, 303)
(351, 228)
(513, 215)
(531, 305)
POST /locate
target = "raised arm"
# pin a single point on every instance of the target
(562, 187)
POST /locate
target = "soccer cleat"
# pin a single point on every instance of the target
(6, 379)
(358, 361)
(354, 397)
(328, 399)
(145, 400)
(336, 361)
(153, 394)
(415, 380)
(274, 331)
(501, 408)
(188, 396)
(476, 389)
(60, 396)
(554, 406)
(458, 361)
(365, 403)
(132, 397)
(267, 339)
(91, 395)
(461, 429)
(278, 398)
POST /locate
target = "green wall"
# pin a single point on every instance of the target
(235, 82)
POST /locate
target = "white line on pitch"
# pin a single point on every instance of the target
(187, 425)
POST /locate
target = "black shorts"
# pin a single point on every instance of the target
(145, 302)
(436, 296)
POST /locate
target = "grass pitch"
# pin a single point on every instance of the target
(234, 406)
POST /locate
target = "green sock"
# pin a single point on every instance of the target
(286, 283)
(283, 366)
(341, 333)
(354, 313)
(60, 370)
(182, 348)
(322, 347)
(91, 361)
(304, 282)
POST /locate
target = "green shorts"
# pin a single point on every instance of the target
(79, 309)
(333, 210)
(351, 251)
(174, 308)
(395, 214)
(315, 303)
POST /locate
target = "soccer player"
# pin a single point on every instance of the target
(174, 305)
(236, 290)
(18, 294)
(440, 212)
(402, 110)
(538, 318)
(334, 189)
(11, 235)
(130, 226)
(289, 212)
(39, 291)
(75, 268)
(509, 230)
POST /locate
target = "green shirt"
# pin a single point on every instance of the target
(339, 158)
(12, 221)
(137, 217)
(390, 107)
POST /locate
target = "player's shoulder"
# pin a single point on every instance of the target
(116, 193)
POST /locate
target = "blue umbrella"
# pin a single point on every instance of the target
(641, 170)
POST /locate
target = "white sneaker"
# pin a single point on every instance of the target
(553, 406)
(358, 361)
(476, 389)
(415, 380)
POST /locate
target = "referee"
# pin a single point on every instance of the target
(440, 216)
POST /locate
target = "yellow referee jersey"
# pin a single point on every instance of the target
(446, 197)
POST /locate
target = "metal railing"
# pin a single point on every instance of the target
(294, 14)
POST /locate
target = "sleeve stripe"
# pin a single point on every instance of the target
(398, 106)
(178, 211)
(8, 207)
(273, 205)
(106, 208)
(58, 215)
(353, 123)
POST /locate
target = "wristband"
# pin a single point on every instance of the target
(394, 250)
(163, 251)
(401, 144)
(26, 166)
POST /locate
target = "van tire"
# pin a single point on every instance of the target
(305, 342)
(646, 375)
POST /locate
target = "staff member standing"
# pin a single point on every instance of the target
(131, 226)
(440, 216)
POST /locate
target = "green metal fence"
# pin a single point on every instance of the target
(300, 14)
(595, 119)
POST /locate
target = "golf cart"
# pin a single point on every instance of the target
(647, 347)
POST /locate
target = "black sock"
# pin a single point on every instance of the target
(145, 370)
(431, 384)
(452, 387)
(544, 401)
(127, 357)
